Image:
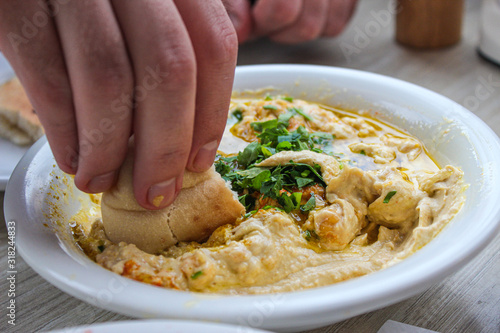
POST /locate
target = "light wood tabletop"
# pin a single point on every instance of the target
(467, 301)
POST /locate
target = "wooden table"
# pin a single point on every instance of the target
(467, 301)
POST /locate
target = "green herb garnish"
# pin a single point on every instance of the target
(274, 137)
(287, 98)
(270, 107)
(282, 183)
(251, 154)
(250, 213)
(196, 275)
(272, 207)
(309, 205)
(247, 201)
(302, 113)
(389, 196)
(238, 114)
(310, 234)
(225, 165)
(301, 181)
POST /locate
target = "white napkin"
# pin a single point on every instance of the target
(391, 326)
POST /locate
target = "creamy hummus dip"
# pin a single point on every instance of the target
(330, 195)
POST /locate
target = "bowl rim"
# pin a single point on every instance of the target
(374, 291)
(156, 325)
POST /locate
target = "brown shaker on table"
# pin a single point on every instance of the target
(429, 24)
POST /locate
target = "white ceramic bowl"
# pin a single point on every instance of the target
(157, 326)
(452, 134)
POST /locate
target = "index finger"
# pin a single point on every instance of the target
(165, 75)
(216, 47)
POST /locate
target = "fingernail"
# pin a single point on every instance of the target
(205, 157)
(101, 183)
(162, 194)
(68, 169)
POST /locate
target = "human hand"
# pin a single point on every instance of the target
(97, 71)
(290, 21)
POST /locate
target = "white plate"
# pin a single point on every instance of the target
(452, 134)
(159, 326)
(10, 154)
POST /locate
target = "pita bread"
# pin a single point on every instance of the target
(18, 121)
(204, 203)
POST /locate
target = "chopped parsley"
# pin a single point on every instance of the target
(389, 196)
(196, 275)
(287, 98)
(310, 234)
(250, 213)
(247, 201)
(302, 113)
(271, 207)
(309, 205)
(282, 184)
(238, 114)
(274, 137)
(225, 165)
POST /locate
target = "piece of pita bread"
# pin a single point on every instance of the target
(18, 121)
(204, 203)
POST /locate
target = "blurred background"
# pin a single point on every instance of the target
(368, 43)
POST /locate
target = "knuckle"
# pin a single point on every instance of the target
(334, 29)
(224, 43)
(110, 69)
(338, 20)
(283, 14)
(309, 30)
(99, 152)
(171, 157)
(112, 75)
(56, 87)
(179, 64)
(228, 50)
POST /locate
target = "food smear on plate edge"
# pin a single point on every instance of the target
(329, 195)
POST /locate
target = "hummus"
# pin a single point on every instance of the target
(330, 195)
